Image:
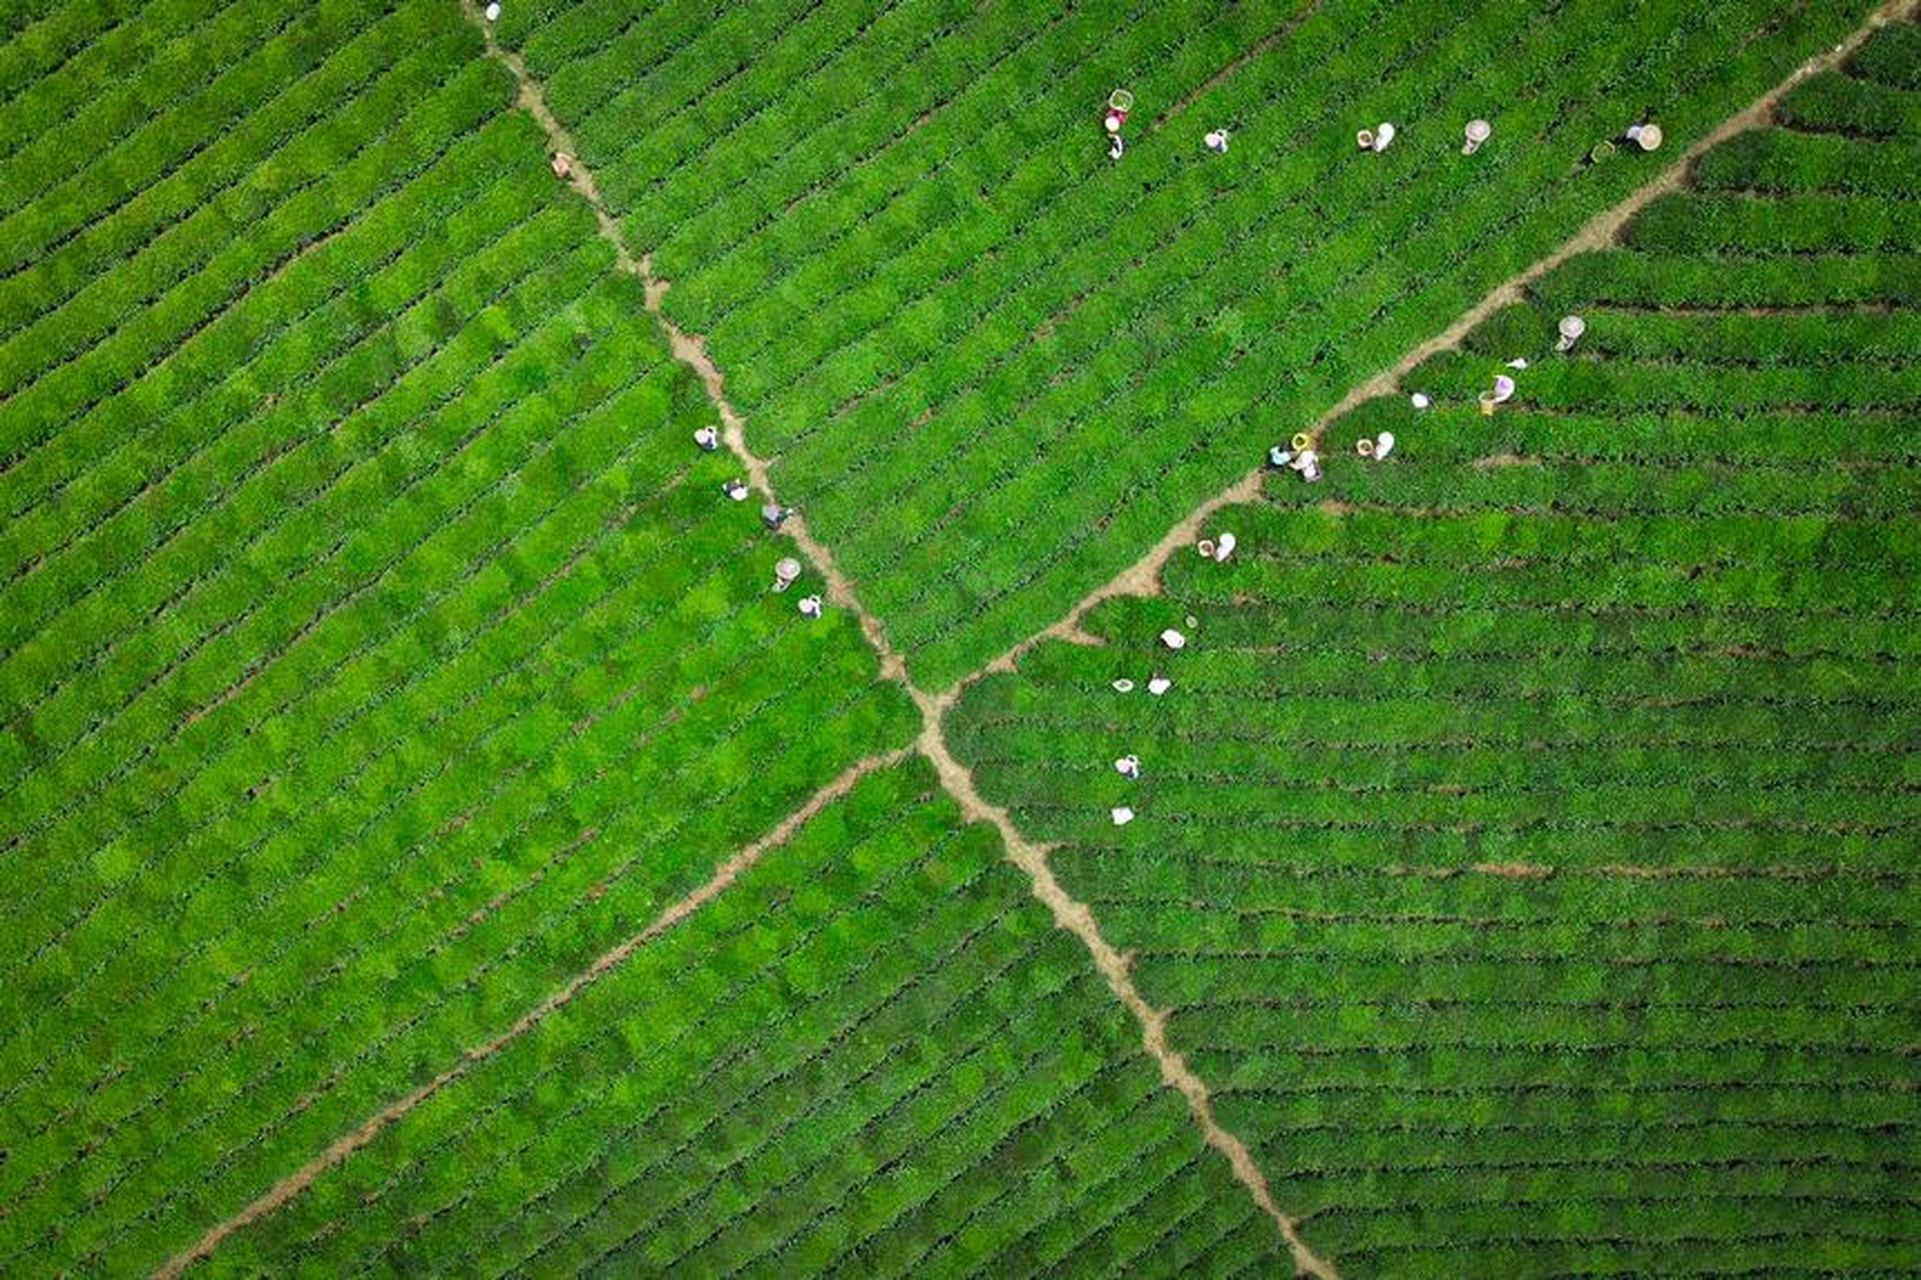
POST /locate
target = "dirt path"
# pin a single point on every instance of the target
(1074, 916)
(1069, 913)
(688, 349)
(1142, 578)
(729, 871)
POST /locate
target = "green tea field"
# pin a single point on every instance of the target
(604, 667)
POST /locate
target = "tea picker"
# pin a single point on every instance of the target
(563, 164)
(1216, 141)
(1377, 448)
(736, 489)
(810, 606)
(1503, 392)
(1217, 549)
(773, 515)
(707, 438)
(1377, 139)
(1476, 133)
(1645, 136)
(786, 571)
(1571, 328)
(1128, 767)
(493, 12)
(1119, 103)
(1305, 461)
(1290, 454)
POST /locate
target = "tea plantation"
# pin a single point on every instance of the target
(434, 841)
(1525, 842)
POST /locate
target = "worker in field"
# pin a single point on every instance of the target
(707, 438)
(773, 515)
(1128, 767)
(810, 606)
(1216, 141)
(1297, 455)
(736, 489)
(1119, 103)
(1502, 392)
(1377, 139)
(1218, 549)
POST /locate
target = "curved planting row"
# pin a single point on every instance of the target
(1523, 843)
